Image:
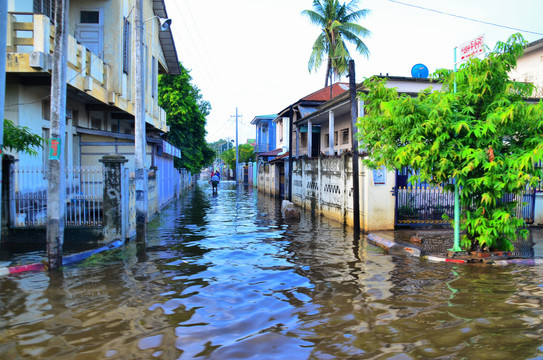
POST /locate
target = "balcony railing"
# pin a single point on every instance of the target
(259, 148)
(30, 45)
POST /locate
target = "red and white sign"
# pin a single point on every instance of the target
(472, 48)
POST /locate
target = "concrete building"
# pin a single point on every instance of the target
(265, 134)
(100, 94)
(530, 67)
(101, 76)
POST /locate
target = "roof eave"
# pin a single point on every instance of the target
(166, 40)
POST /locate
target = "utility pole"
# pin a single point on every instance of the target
(56, 178)
(237, 146)
(3, 50)
(354, 118)
(139, 119)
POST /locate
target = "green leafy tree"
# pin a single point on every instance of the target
(246, 154)
(20, 138)
(485, 135)
(229, 157)
(219, 146)
(338, 23)
(186, 113)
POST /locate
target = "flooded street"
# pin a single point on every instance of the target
(224, 277)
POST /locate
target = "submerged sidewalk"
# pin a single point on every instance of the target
(435, 243)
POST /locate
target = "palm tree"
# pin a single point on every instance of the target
(338, 25)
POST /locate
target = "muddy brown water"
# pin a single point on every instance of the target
(224, 277)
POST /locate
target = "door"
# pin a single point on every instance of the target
(90, 31)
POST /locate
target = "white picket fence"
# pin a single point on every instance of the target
(84, 189)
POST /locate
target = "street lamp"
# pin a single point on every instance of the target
(164, 23)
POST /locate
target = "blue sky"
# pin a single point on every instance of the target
(252, 54)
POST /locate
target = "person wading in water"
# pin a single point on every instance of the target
(215, 182)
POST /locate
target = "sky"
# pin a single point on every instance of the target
(252, 55)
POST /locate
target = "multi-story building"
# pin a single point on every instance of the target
(101, 90)
(265, 133)
(100, 75)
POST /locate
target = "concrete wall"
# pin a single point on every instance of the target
(325, 186)
(530, 69)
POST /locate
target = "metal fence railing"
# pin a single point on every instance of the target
(425, 205)
(84, 188)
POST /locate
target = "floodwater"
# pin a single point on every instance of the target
(224, 277)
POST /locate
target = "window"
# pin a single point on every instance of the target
(46, 7)
(75, 118)
(46, 110)
(345, 136)
(154, 77)
(45, 151)
(126, 45)
(326, 140)
(303, 139)
(96, 123)
(335, 138)
(89, 17)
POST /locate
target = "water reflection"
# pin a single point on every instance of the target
(224, 277)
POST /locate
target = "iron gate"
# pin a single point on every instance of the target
(424, 205)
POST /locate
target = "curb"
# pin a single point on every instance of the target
(66, 260)
(398, 248)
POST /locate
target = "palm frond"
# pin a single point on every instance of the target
(314, 17)
(317, 53)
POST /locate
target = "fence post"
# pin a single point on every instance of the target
(112, 199)
(7, 188)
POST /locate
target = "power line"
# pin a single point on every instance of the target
(464, 17)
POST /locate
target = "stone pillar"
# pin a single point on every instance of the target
(113, 197)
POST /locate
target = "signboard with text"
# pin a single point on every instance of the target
(471, 48)
(169, 149)
(54, 149)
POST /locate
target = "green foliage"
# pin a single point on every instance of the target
(219, 146)
(246, 154)
(186, 115)
(20, 138)
(338, 23)
(484, 135)
(229, 157)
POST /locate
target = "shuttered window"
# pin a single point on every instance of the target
(126, 45)
(154, 77)
(45, 7)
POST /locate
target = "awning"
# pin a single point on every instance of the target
(271, 153)
(169, 149)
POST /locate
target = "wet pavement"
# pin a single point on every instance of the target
(225, 277)
(437, 241)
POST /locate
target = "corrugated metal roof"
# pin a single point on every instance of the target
(263, 117)
(270, 153)
(328, 92)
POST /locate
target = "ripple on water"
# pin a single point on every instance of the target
(225, 277)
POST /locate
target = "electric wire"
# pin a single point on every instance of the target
(464, 17)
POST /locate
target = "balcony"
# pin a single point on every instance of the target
(262, 147)
(30, 45)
